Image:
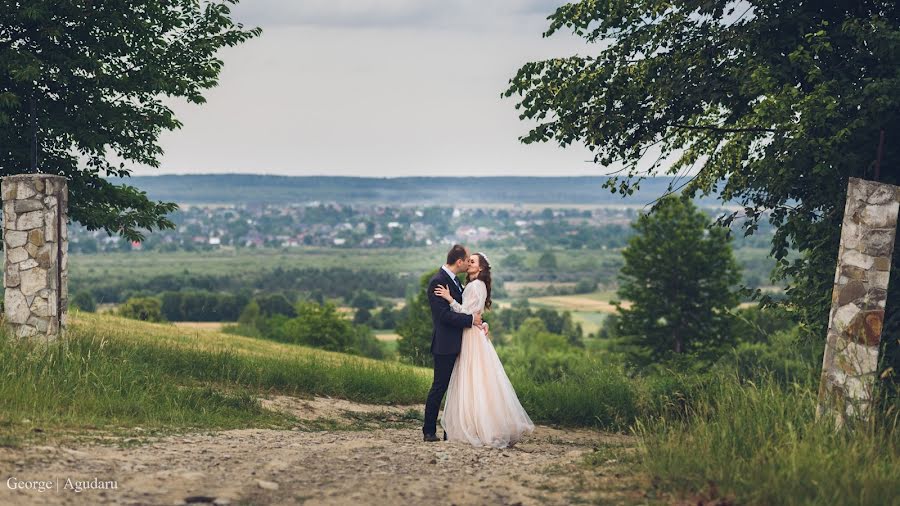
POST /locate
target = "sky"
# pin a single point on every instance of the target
(378, 88)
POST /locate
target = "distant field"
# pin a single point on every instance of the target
(399, 260)
(386, 335)
(590, 321)
(576, 303)
(214, 326)
(514, 288)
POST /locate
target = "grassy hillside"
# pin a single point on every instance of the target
(113, 372)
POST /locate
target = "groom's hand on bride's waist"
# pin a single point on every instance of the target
(476, 320)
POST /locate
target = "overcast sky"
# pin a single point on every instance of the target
(374, 88)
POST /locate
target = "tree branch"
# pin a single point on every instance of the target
(714, 128)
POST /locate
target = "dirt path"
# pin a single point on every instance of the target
(367, 455)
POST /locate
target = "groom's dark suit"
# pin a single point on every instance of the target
(446, 341)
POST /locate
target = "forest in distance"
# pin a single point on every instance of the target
(273, 189)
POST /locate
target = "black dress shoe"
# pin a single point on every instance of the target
(430, 438)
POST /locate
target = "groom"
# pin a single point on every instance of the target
(446, 339)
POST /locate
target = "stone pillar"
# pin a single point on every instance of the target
(35, 243)
(858, 300)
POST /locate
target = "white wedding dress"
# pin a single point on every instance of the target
(482, 407)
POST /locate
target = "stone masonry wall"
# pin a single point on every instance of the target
(35, 241)
(858, 299)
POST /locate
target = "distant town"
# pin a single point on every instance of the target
(200, 227)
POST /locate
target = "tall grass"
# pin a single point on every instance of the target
(760, 443)
(101, 378)
(373, 382)
(604, 396)
(79, 383)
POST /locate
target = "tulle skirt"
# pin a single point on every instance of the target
(482, 408)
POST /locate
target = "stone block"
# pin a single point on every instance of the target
(36, 237)
(844, 315)
(9, 192)
(851, 272)
(879, 242)
(865, 328)
(11, 278)
(15, 307)
(24, 190)
(854, 290)
(30, 220)
(879, 278)
(44, 256)
(50, 232)
(39, 307)
(26, 331)
(856, 259)
(33, 280)
(16, 255)
(15, 238)
(24, 206)
(881, 195)
(882, 216)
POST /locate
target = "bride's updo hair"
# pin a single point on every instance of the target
(485, 276)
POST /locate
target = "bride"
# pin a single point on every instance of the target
(482, 407)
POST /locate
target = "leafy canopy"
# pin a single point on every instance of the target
(773, 103)
(90, 81)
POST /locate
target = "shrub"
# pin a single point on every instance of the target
(142, 308)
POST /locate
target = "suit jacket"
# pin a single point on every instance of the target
(446, 339)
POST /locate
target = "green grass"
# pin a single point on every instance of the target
(112, 372)
(88, 383)
(145, 264)
(760, 444)
(603, 396)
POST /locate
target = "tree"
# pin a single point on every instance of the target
(142, 308)
(324, 327)
(386, 318)
(364, 299)
(547, 261)
(415, 329)
(362, 317)
(774, 105)
(514, 261)
(678, 275)
(276, 303)
(83, 84)
(585, 286)
(84, 301)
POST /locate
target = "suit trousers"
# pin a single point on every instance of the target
(443, 368)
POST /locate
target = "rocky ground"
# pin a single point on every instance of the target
(341, 453)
